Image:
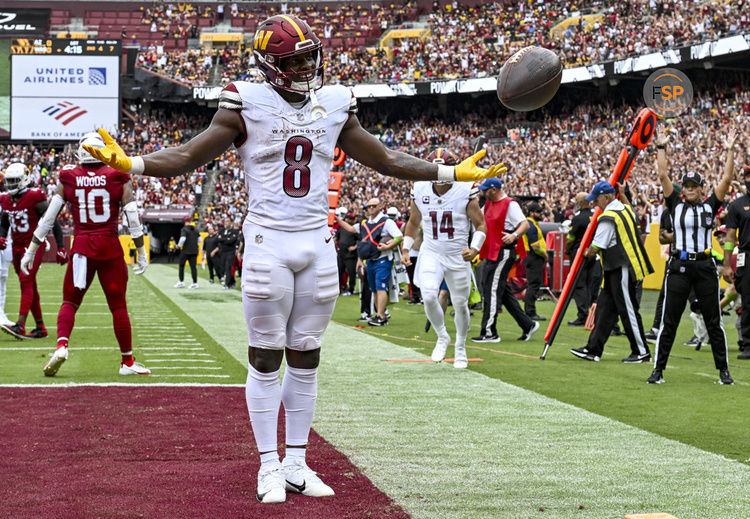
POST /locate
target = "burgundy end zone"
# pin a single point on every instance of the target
(155, 452)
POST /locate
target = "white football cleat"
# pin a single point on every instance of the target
(301, 479)
(438, 354)
(460, 361)
(53, 364)
(135, 369)
(271, 484)
(4, 321)
(193, 286)
(179, 284)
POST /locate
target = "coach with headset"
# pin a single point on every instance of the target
(691, 265)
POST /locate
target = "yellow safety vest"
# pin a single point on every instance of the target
(629, 249)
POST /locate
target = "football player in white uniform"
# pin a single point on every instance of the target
(446, 211)
(6, 260)
(285, 131)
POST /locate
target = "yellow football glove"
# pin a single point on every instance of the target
(468, 171)
(476, 261)
(112, 155)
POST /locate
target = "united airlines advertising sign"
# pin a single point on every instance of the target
(59, 93)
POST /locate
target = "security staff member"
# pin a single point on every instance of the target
(226, 248)
(691, 265)
(590, 277)
(738, 225)
(624, 262)
(210, 243)
(535, 260)
(188, 246)
(505, 224)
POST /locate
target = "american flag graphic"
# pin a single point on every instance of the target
(65, 111)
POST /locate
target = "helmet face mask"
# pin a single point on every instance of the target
(92, 139)
(17, 178)
(282, 45)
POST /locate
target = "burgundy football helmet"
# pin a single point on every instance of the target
(442, 156)
(279, 38)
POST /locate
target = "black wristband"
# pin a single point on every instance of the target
(661, 146)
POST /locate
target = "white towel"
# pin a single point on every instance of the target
(79, 271)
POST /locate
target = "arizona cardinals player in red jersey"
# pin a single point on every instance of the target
(95, 193)
(286, 131)
(22, 206)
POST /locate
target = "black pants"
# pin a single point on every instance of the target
(496, 292)
(617, 298)
(416, 294)
(535, 277)
(659, 307)
(348, 265)
(742, 284)
(227, 260)
(190, 258)
(364, 294)
(211, 267)
(587, 286)
(701, 276)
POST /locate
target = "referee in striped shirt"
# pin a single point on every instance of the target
(691, 265)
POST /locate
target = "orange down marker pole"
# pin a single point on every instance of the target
(640, 135)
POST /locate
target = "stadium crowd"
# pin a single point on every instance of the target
(464, 41)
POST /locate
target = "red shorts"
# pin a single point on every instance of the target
(18, 254)
(113, 276)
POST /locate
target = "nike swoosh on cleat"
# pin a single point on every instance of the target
(298, 488)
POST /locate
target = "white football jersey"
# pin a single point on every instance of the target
(286, 154)
(445, 224)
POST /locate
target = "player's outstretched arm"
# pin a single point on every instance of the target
(224, 129)
(46, 224)
(726, 179)
(366, 149)
(134, 227)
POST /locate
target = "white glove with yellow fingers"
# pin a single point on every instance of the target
(113, 155)
(468, 171)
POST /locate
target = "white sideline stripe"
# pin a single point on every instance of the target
(117, 384)
(192, 376)
(52, 348)
(186, 367)
(170, 341)
(175, 354)
(179, 360)
(169, 349)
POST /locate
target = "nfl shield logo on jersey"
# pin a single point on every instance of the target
(258, 238)
(709, 221)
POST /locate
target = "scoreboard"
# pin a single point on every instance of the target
(62, 89)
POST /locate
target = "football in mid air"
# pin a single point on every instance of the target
(529, 79)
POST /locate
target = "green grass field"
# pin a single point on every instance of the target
(510, 435)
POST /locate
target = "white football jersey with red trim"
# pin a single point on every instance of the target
(286, 153)
(445, 224)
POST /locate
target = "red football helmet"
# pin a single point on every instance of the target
(280, 38)
(442, 156)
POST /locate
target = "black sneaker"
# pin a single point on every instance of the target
(536, 317)
(583, 353)
(744, 355)
(40, 332)
(527, 334)
(616, 331)
(476, 306)
(365, 317)
(651, 337)
(725, 378)
(637, 359)
(577, 322)
(486, 338)
(377, 321)
(427, 326)
(656, 377)
(415, 301)
(693, 341)
(17, 330)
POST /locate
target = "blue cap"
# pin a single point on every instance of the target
(600, 188)
(490, 183)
